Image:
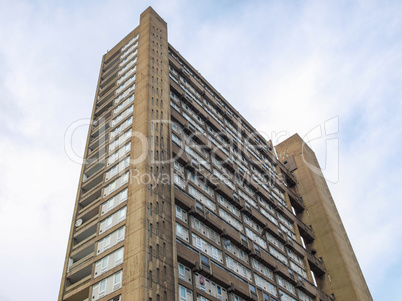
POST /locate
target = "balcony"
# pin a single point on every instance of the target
(179, 118)
(228, 163)
(77, 292)
(81, 257)
(210, 178)
(92, 182)
(207, 296)
(224, 190)
(91, 196)
(324, 297)
(253, 214)
(78, 280)
(192, 165)
(110, 63)
(214, 222)
(86, 218)
(198, 211)
(189, 129)
(288, 177)
(95, 154)
(316, 265)
(184, 199)
(107, 74)
(295, 200)
(180, 155)
(93, 169)
(213, 123)
(233, 235)
(296, 247)
(105, 107)
(105, 97)
(308, 288)
(85, 234)
(101, 124)
(204, 142)
(95, 142)
(178, 90)
(187, 256)
(224, 278)
(106, 82)
(305, 231)
(97, 131)
(267, 197)
(78, 277)
(106, 89)
(273, 229)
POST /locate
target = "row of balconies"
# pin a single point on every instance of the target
(212, 122)
(222, 276)
(191, 258)
(223, 189)
(288, 176)
(217, 224)
(105, 97)
(111, 60)
(108, 70)
(96, 158)
(83, 251)
(289, 183)
(202, 91)
(106, 92)
(228, 163)
(82, 256)
(79, 275)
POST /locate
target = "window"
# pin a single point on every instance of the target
(176, 139)
(205, 261)
(119, 255)
(117, 278)
(102, 286)
(107, 241)
(182, 293)
(181, 214)
(105, 262)
(110, 203)
(126, 162)
(120, 234)
(181, 231)
(122, 213)
(109, 222)
(181, 271)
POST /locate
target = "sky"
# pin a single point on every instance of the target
(330, 71)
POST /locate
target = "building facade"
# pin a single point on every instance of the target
(180, 198)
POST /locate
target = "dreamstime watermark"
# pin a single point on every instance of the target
(195, 147)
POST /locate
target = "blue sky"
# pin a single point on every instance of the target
(302, 62)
